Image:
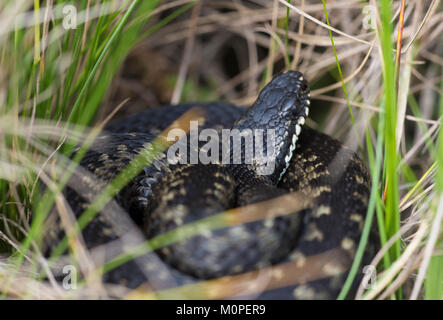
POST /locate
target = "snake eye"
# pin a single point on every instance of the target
(288, 105)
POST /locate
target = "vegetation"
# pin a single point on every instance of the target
(375, 70)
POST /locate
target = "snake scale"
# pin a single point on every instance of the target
(165, 196)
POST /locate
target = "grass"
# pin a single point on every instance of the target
(56, 82)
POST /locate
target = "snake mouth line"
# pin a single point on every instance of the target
(296, 134)
(291, 150)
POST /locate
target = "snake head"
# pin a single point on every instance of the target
(281, 107)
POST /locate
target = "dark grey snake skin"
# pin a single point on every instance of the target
(308, 252)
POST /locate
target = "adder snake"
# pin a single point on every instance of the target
(165, 196)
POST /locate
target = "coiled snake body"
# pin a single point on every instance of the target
(306, 253)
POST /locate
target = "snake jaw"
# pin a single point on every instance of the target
(300, 123)
(291, 151)
(296, 134)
